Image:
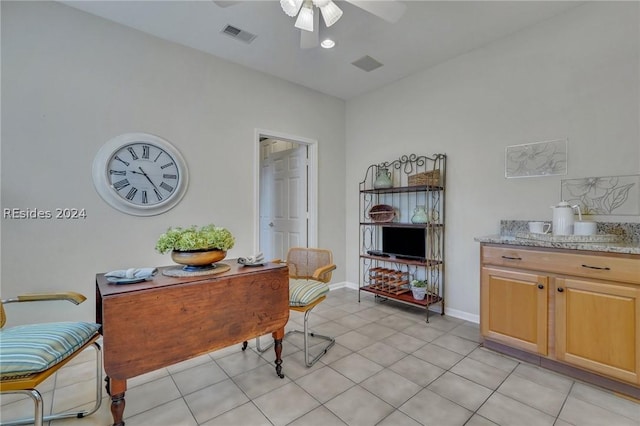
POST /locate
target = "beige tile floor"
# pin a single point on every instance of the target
(388, 368)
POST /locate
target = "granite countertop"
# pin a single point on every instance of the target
(626, 238)
(629, 248)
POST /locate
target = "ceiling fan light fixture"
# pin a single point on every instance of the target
(291, 7)
(330, 13)
(328, 43)
(305, 19)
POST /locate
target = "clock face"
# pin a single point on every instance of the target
(140, 174)
(143, 174)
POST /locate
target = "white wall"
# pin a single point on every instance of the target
(72, 81)
(574, 76)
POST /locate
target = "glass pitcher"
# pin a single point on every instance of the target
(419, 215)
(383, 178)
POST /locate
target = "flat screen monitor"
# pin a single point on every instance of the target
(404, 242)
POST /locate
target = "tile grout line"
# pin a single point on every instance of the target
(183, 396)
(573, 383)
(493, 392)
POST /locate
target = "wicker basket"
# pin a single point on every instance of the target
(382, 213)
(430, 178)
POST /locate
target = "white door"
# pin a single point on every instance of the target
(283, 201)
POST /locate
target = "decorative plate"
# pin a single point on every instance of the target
(115, 280)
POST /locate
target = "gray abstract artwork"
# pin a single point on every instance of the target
(607, 195)
(536, 159)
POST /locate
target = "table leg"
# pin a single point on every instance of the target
(277, 346)
(116, 389)
(117, 409)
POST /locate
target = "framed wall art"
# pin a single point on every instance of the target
(606, 195)
(546, 158)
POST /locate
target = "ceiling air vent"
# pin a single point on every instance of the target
(238, 34)
(367, 63)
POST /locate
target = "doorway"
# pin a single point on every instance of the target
(286, 196)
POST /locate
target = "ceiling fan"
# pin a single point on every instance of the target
(308, 21)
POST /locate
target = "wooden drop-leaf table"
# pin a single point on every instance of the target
(166, 320)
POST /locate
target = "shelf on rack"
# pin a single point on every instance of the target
(393, 259)
(416, 188)
(388, 289)
(406, 297)
(404, 225)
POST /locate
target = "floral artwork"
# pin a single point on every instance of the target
(609, 195)
(536, 159)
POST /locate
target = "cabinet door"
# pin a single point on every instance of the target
(597, 327)
(513, 308)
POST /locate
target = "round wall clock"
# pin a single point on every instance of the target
(140, 174)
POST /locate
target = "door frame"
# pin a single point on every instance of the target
(312, 183)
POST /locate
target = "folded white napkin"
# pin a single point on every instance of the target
(251, 260)
(132, 273)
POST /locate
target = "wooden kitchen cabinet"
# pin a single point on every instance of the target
(597, 327)
(573, 311)
(514, 308)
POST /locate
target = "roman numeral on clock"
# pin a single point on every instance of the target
(145, 152)
(133, 153)
(121, 160)
(167, 165)
(121, 184)
(166, 187)
(132, 193)
(145, 200)
(118, 172)
(168, 176)
(158, 194)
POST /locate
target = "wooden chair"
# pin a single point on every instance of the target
(31, 353)
(309, 272)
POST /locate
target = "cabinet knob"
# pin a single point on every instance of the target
(560, 289)
(540, 286)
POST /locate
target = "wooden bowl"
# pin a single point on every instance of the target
(198, 257)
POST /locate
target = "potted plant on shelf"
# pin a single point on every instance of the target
(197, 248)
(419, 289)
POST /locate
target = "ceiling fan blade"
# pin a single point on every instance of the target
(390, 11)
(310, 39)
(226, 3)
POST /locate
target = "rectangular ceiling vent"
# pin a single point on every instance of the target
(238, 34)
(367, 63)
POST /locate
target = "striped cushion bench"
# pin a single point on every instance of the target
(32, 348)
(303, 292)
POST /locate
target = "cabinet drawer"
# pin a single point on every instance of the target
(625, 268)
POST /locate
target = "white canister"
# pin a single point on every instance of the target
(563, 219)
(585, 227)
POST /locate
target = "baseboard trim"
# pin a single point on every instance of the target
(462, 315)
(343, 284)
